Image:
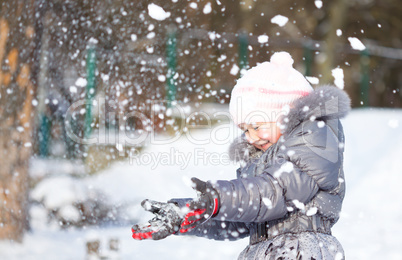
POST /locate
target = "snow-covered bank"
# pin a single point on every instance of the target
(371, 222)
(369, 228)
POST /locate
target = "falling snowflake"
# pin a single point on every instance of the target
(207, 8)
(157, 12)
(280, 20)
(356, 44)
(338, 75)
(263, 38)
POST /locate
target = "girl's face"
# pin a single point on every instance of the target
(261, 135)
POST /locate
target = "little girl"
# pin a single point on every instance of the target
(289, 191)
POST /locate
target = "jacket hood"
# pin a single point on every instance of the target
(324, 103)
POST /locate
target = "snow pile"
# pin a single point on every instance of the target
(370, 226)
(41, 168)
(67, 201)
(57, 192)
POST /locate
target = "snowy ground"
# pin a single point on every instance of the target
(371, 222)
(369, 228)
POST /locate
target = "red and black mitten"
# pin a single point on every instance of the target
(202, 209)
(166, 222)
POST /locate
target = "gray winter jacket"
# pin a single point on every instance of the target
(296, 186)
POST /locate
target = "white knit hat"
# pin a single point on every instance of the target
(265, 91)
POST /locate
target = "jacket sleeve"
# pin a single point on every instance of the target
(288, 182)
(215, 229)
(220, 230)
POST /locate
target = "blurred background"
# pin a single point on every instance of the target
(88, 85)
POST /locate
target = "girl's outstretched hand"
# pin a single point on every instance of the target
(170, 218)
(166, 222)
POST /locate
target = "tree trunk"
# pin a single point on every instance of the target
(337, 18)
(17, 34)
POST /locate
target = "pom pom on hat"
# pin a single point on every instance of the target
(265, 91)
(282, 58)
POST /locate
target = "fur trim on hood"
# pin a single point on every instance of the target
(324, 103)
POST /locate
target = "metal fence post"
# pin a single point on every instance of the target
(243, 51)
(365, 77)
(44, 135)
(308, 59)
(90, 89)
(171, 65)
